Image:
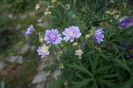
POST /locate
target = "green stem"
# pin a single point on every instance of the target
(95, 6)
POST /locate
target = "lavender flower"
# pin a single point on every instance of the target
(125, 22)
(30, 30)
(43, 51)
(130, 22)
(99, 36)
(71, 33)
(52, 37)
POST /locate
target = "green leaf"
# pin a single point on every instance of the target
(108, 76)
(104, 56)
(108, 83)
(122, 63)
(81, 68)
(102, 69)
(127, 84)
(81, 84)
(80, 76)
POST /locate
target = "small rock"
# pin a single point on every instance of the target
(40, 77)
(13, 59)
(10, 16)
(19, 60)
(32, 48)
(18, 27)
(2, 65)
(40, 85)
(56, 74)
(25, 48)
(41, 66)
(23, 16)
(42, 25)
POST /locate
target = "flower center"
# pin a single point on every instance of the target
(52, 36)
(44, 49)
(70, 33)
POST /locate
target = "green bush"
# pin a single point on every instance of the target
(102, 66)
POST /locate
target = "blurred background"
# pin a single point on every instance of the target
(17, 65)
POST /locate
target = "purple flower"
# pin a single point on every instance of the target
(99, 36)
(130, 22)
(71, 33)
(43, 51)
(125, 22)
(30, 30)
(52, 37)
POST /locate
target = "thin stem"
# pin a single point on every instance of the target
(74, 4)
(95, 6)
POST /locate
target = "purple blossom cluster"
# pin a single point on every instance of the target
(71, 33)
(30, 30)
(53, 37)
(125, 22)
(99, 35)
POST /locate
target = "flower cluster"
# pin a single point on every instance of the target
(125, 22)
(99, 36)
(53, 37)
